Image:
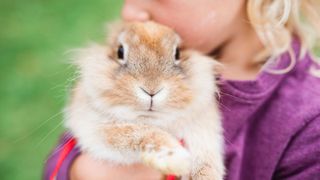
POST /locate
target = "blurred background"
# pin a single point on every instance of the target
(35, 75)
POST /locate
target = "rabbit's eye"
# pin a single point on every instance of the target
(177, 54)
(120, 52)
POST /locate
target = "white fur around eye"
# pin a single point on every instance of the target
(176, 61)
(125, 46)
(178, 43)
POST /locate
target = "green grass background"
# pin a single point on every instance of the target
(34, 76)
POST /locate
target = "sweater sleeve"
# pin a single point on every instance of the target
(301, 159)
(51, 162)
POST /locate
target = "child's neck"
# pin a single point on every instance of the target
(238, 55)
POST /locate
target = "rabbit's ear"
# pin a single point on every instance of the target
(218, 67)
(113, 29)
(185, 54)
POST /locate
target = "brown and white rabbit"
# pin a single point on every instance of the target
(139, 95)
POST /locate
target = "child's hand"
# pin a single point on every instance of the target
(85, 167)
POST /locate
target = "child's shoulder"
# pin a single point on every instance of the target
(301, 90)
(303, 79)
(300, 122)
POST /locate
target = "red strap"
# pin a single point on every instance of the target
(171, 177)
(63, 154)
(69, 146)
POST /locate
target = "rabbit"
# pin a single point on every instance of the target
(140, 94)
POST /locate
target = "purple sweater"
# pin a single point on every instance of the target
(272, 126)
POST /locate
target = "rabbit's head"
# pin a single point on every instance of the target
(143, 69)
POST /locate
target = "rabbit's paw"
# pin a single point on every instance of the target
(168, 160)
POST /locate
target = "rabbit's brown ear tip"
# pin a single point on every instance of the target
(109, 53)
(184, 53)
(184, 56)
(218, 67)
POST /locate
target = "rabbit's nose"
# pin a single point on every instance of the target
(150, 93)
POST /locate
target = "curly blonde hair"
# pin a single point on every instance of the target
(276, 21)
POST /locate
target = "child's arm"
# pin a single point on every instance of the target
(85, 167)
(301, 159)
(53, 157)
(79, 166)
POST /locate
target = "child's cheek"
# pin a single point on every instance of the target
(196, 31)
(190, 32)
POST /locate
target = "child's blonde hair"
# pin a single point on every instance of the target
(277, 21)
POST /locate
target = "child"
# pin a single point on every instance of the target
(270, 92)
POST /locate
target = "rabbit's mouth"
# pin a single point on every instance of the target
(151, 100)
(150, 107)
